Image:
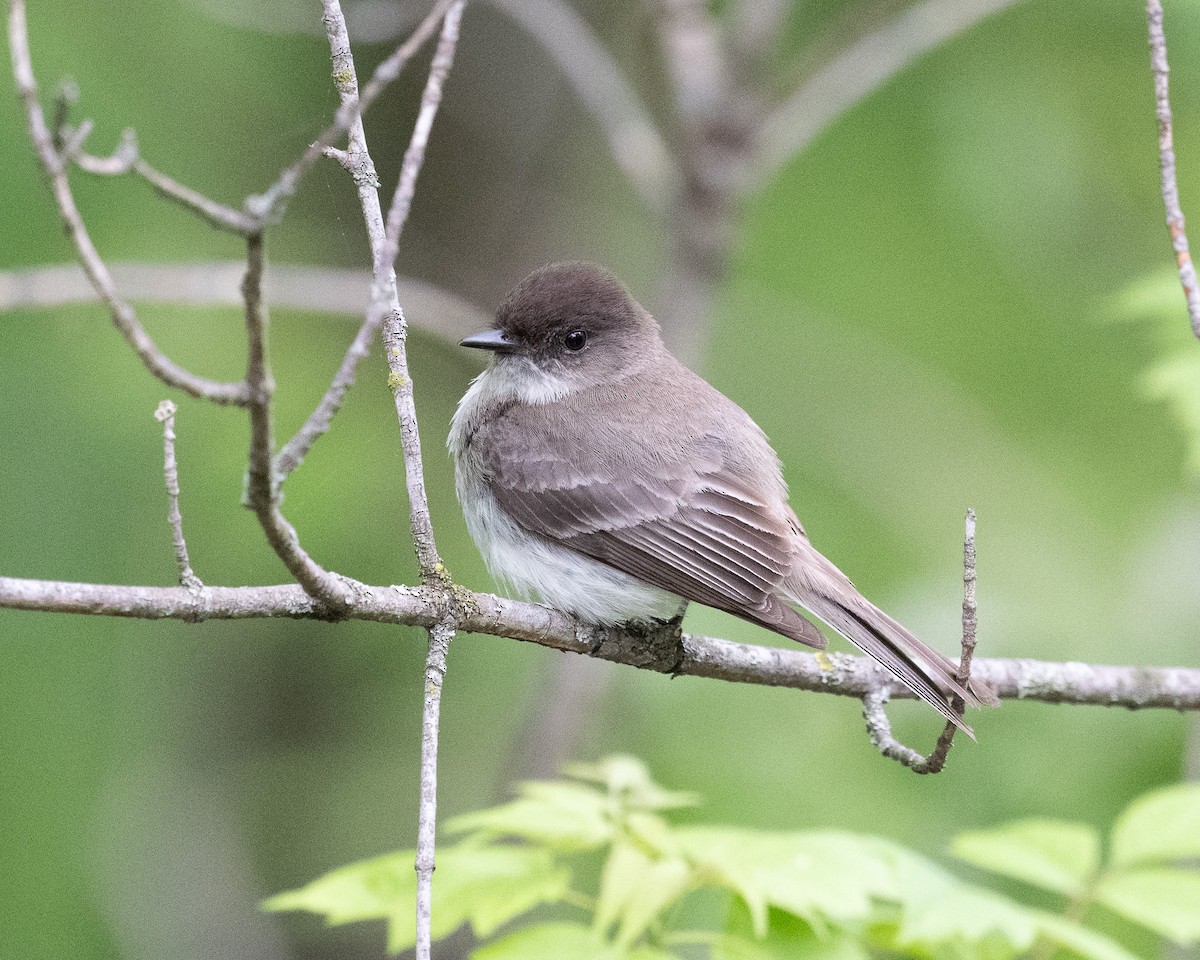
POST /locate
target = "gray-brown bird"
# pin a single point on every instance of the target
(599, 474)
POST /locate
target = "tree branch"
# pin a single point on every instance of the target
(384, 238)
(358, 162)
(126, 158)
(1131, 687)
(395, 329)
(269, 204)
(879, 729)
(1166, 153)
(187, 577)
(440, 635)
(432, 309)
(262, 493)
(123, 315)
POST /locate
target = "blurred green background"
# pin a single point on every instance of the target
(951, 299)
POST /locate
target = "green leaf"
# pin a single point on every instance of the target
(818, 876)
(1051, 854)
(1165, 900)
(627, 778)
(562, 941)
(787, 938)
(548, 941)
(635, 888)
(484, 885)
(1081, 940)
(1159, 826)
(938, 910)
(367, 890)
(562, 816)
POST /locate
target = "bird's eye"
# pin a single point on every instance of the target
(575, 340)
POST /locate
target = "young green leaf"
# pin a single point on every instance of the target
(1080, 940)
(549, 941)
(1159, 826)
(559, 815)
(628, 778)
(484, 885)
(1051, 854)
(819, 876)
(562, 941)
(636, 888)
(366, 890)
(1165, 900)
(787, 938)
(940, 912)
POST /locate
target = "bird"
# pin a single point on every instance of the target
(602, 476)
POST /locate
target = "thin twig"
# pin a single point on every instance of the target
(440, 636)
(269, 205)
(1127, 687)
(879, 728)
(414, 156)
(633, 137)
(261, 490)
(165, 414)
(859, 71)
(358, 162)
(123, 315)
(385, 307)
(395, 328)
(126, 159)
(1166, 154)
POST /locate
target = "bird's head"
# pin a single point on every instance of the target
(568, 326)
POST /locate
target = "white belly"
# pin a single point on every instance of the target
(559, 577)
(534, 567)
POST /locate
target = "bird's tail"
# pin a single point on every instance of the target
(821, 588)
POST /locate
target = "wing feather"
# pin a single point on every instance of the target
(686, 517)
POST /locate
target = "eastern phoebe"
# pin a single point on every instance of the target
(600, 474)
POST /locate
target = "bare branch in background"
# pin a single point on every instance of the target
(716, 123)
(879, 728)
(165, 414)
(1128, 687)
(861, 70)
(1166, 153)
(337, 290)
(633, 137)
(123, 315)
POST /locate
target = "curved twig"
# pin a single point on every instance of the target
(123, 315)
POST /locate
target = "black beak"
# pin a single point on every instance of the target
(489, 340)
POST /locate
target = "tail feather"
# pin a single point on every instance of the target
(819, 587)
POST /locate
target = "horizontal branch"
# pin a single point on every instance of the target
(206, 283)
(1176, 688)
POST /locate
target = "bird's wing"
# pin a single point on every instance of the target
(680, 514)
